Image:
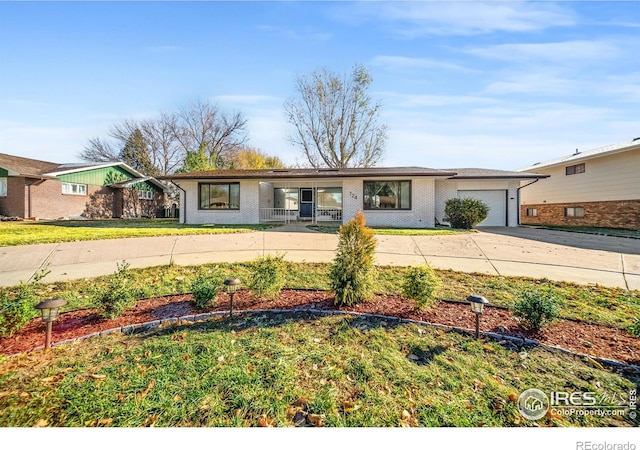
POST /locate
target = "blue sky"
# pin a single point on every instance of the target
(501, 84)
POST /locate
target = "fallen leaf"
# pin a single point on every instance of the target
(220, 358)
(177, 398)
(317, 420)
(498, 379)
(488, 348)
(265, 422)
(291, 412)
(317, 340)
(513, 397)
(52, 379)
(301, 402)
(413, 357)
(144, 393)
(98, 423)
(41, 423)
(186, 357)
(97, 376)
(121, 397)
(593, 362)
(151, 421)
(350, 406)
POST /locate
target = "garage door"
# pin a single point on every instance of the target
(497, 203)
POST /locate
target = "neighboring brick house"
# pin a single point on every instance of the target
(596, 188)
(36, 189)
(392, 196)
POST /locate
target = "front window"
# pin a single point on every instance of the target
(74, 189)
(572, 170)
(145, 195)
(329, 198)
(387, 195)
(219, 195)
(577, 211)
(286, 198)
(532, 212)
(3, 187)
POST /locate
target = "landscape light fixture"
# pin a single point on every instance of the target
(232, 286)
(477, 303)
(49, 310)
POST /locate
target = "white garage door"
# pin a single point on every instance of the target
(497, 203)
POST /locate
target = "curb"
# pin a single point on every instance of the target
(523, 342)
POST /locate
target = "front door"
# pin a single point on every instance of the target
(306, 203)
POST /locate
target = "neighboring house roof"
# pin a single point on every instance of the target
(491, 174)
(633, 144)
(30, 168)
(354, 172)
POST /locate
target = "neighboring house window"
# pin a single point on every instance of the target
(286, 198)
(572, 170)
(74, 189)
(145, 195)
(219, 195)
(532, 212)
(387, 195)
(3, 187)
(577, 211)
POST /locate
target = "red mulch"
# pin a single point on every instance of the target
(596, 340)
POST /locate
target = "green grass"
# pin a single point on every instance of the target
(241, 372)
(397, 231)
(24, 233)
(611, 306)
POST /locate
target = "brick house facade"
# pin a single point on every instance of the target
(405, 197)
(43, 190)
(596, 188)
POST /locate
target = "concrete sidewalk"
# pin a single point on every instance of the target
(612, 262)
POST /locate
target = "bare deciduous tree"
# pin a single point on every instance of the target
(334, 121)
(161, 136)
(204, 128)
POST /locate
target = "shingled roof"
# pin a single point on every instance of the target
(468, 173)
(26, 167)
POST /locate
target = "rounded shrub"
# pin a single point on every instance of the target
(268, 276)
(352, 272)
(16, 310)
(205, 288)
(117, 295)
(536, 308)
(421, 283)
(465, 212)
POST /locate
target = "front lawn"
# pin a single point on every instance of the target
(42, 232)
(293, 369)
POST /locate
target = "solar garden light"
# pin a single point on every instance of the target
(49, 310)
(477, 303)
(232, 285)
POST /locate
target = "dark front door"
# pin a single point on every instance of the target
(306, 203)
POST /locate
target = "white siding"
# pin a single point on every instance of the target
(610, 177)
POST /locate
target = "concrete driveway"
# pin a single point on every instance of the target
(556, 255)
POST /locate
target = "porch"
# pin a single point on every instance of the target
(301, 201)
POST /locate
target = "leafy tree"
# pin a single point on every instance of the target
(465, 212)
(251, 158)
(135, 153)
(334, 120)
(352, 272)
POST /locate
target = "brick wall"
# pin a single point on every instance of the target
(611, 214)
(14, 204)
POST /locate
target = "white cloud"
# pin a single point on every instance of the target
(416, 19)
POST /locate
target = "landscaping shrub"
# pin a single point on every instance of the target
(205, 288)
(117, 295)
(634, 328)
(465, 212)
(536, 308)
(268, 276)
(17, 310)
(352, 272)
(421, 284)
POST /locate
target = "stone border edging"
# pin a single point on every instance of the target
(194, 318)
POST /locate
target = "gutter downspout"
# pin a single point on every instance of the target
(518, 196)
(182, 207)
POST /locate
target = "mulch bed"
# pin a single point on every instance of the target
(590, 339)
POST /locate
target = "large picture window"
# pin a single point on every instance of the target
(329, 198)
(219, 195)
(387, 195)
(286, 198)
